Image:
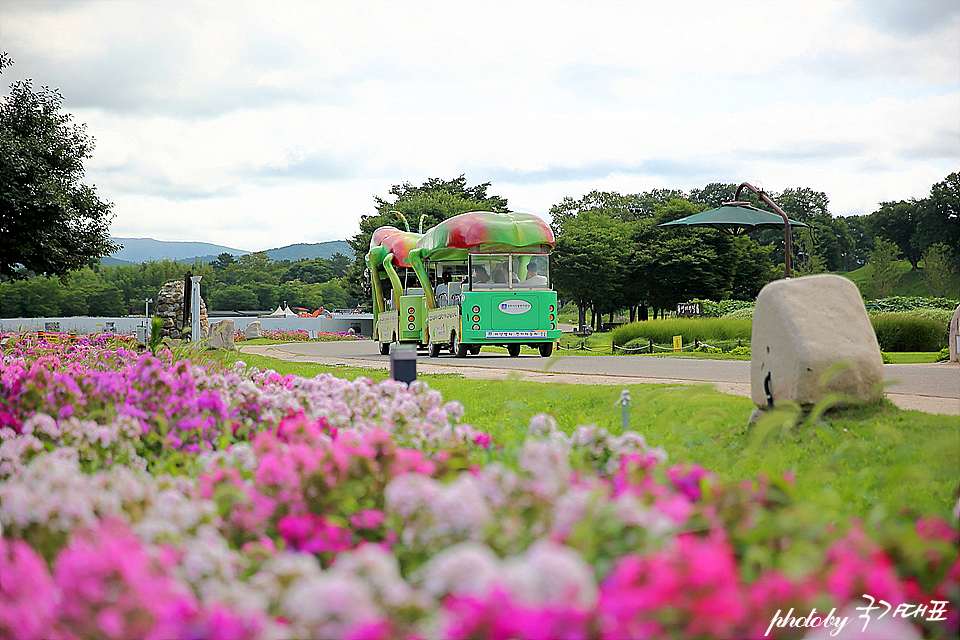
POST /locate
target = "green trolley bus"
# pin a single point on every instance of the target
(482, 278)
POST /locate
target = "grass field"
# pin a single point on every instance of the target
(858, 462)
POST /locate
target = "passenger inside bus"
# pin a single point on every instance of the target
(443, 288)
(534, 278)
(480, 274)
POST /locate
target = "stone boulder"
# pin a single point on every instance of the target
(252, 331)
(812, 337)
(955, 336)
(221, 335)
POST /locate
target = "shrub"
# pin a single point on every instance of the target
(702, 329)
(942, 316)
(905, 332)
(910, 303)
(944, 355)
(740, 351)
(746, 313)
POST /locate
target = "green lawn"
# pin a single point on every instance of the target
(856, 462)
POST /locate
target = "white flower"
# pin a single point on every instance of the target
(467, 568)
(549, 573)
(329, 606)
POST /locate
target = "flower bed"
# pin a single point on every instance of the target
(300, 335)
(146, 497)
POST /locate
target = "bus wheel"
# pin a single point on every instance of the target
(475, 349)
(513, 350)
(546, 348)
(384, 348)
(434, 349)
(458, 348)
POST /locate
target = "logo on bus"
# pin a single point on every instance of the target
(515, 307)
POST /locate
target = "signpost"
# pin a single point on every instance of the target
(689, 309)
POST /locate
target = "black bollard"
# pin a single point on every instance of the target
(403, 363)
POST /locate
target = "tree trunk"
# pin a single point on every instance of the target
(581, 317)
(643, 313)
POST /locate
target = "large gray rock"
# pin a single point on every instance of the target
(955, 336)
(221, 335)
(252, 331)
(805, 328)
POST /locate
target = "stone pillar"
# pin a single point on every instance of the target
(170, 308)
(812, 337)
(955, 336)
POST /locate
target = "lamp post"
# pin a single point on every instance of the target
(146, 308)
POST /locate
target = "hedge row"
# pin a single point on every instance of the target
(896, 332)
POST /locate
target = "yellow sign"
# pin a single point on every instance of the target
(677, 343)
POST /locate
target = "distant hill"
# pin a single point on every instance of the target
(145, 249)
(307, 251)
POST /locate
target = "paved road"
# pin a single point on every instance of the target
(933, 388)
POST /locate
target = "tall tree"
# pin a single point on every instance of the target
(885, 275)
(589, 262)
(50, 222)
(938, 216)
(897, 223)
(938, 265)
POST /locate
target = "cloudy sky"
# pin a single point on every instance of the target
(257, 124)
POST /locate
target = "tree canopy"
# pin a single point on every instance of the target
(50, 222)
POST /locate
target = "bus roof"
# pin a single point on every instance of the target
(486, 232)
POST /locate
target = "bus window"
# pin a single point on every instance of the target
(536, 273)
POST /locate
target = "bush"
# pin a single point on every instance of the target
(746, 313)
(944, 354)
(911, 303)
(740, 351)
(905, 332)
(942, 316)
(702, 329)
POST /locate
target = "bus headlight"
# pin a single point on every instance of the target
(476, 327)
(411, 326)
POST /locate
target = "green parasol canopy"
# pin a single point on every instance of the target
(734, 220)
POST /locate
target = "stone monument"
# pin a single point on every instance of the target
(170, 308)
(812, 337)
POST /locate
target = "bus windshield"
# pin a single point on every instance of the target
(509, 271)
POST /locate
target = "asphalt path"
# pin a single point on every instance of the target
(932, 388)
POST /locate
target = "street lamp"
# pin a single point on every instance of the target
(146, 308)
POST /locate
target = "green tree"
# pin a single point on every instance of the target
(308, 271)
(896, 222)
(885, 274)
(50, 222)
(938, 217)
(234, 297)
(588, 263)
(340, 265)
(938, 265)
(714, 194)
(435, 201)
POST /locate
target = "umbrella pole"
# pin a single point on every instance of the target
(786, 223)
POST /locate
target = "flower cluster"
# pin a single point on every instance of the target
(301, 335)
(336, 509)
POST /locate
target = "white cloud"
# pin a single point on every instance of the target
(258, 124)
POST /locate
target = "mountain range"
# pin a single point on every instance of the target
(145, 249)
